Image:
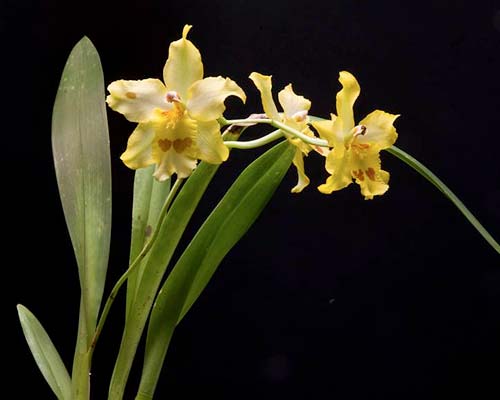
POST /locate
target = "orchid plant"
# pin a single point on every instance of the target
(180, 140)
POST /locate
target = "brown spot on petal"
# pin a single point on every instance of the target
(370, 172)
(181, 144)
(359, 174)
(165, 144)
(131, 95)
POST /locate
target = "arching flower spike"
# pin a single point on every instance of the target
(356, 149)
(295, 109)
(177, 119)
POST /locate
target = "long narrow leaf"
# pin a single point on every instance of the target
(229, 221)
(149, 197)
(155, 266)
(80, 144)
(46, 356)
(143, 184)
(440, 185)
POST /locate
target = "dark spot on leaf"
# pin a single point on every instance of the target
(148, 231)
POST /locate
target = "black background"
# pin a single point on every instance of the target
(326, 296)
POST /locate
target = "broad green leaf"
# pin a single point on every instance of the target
(149, 197)
(225, 226)
(46, 356)
(170, 232)
(80, 144)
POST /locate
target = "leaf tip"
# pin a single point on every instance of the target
(20, 308)
(85, 39)
(85, 44)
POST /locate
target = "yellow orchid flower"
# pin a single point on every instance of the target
(356, 149)
(177, 120)
(295, 109)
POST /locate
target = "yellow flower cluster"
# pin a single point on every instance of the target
(178, 124)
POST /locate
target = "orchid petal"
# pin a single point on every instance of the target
(368, 175)
(205, 101)
(183, 66)
(345, 102)
(379, 129)
(138, 153)
(264, 85)
(209, 143)
(172, 163)
(338, 165)
(303, 180)
(174, 149)
(292, 103)
(325, 129)
(137, 100)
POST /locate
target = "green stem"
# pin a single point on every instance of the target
(131, 268)
(427, 174)
(80, 380)
(252, 144)
(307, 139)
(243, 121)
(280, 125)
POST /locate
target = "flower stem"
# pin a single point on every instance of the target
(279, 125)
(131, 268)
(300, 135)
(252, 144)
(243, 121)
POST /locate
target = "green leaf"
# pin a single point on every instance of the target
(169, 234)
(149, 197)
(445, 190)
(225, 226)
(46, 356)
(80, 144)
